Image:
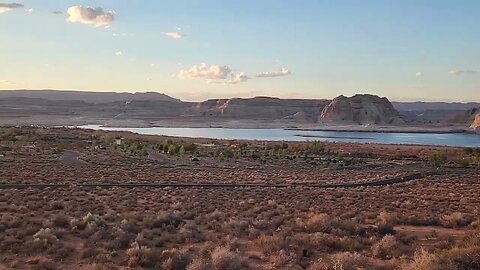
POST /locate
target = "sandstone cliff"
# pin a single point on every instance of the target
(361, 109)
(476, 122)
(260, 108)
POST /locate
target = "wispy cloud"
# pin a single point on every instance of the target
(30, 11)
(174, 35)
(457, 72)
(57, 12)
(7, 83)
(8, 7)
(91, 16)
(282, 72)
(121, 34)
(119, 53)
(419, 74)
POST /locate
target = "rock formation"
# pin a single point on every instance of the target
(476, 122)
(361, 109)
(259, 108)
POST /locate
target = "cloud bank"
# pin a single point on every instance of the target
(91, 16)
(8, 7)
(282, 72)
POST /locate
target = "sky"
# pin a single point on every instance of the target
(405, 50)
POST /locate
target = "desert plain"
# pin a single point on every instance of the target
(84, 199)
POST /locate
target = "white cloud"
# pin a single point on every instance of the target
(237, 78)
(174, 35)
(91, 16)
(121, 34)
(206, 72)
(282, 72)
(8, 7)
(30, 11)
(419, 74)
(213, 74)
(457, 72)
(119, 53)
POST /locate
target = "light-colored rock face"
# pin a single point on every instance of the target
(476, 123)
(361, 109)
(260, 108)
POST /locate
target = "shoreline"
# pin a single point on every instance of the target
(228, 124)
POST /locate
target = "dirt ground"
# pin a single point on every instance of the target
(284, 223)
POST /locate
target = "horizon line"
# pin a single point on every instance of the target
(259, 96)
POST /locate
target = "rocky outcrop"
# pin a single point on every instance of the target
(476, 122)
(361, 109)
(259, 108)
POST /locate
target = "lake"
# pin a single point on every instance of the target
(448, 139)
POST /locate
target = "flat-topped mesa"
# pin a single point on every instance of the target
(260, 108)
(361, 109)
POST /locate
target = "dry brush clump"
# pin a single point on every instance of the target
(455, 220)
(341, 261)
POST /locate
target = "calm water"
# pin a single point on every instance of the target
(453, 139)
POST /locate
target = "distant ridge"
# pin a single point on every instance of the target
(424, 106)
(86, 96)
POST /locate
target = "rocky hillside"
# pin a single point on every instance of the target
(361, 109)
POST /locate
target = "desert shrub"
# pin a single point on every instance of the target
(387, 248)
(316, 241)
(350, 226)
(45, 237)
(317, 223)
(466, 255)
(89, 221)
(341, 261)
(139, 256)
(455, 219)
(200, 263)
(385, 223)
(57, 205)
(270, 243)
(175, 259)
(61, 221)
(224, 259)
(421, 261)
(96, 254)
(166, 219)
(437, 159)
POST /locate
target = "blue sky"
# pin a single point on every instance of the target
(405, 50)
